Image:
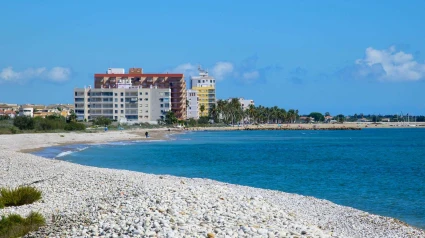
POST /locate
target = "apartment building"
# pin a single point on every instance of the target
(204, 85)
(140, 80)
(125, 103)
(193, 104)
(245, 103)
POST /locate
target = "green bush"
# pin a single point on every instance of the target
(75, 126)
(19, 196)
(24, 123)
(14, 225)
(102, 121)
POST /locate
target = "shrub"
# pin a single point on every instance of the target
(24, 123)
(102, 121)
(19, 196)
(75, 126)
(14, 225)
(14, 130)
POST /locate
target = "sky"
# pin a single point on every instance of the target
(337, 56)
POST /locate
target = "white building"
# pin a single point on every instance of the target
(193, 104)
(26, 111)
(124, 103)
(245, 103)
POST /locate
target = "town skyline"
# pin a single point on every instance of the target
(336, 56)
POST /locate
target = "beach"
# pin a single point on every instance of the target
(87, 201)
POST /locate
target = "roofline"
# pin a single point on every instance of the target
(139, 75)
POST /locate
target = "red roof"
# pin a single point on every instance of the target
(138, 75)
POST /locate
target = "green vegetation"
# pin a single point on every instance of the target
(318, 117)
(38, 124)
(170, 118)
(19, 196)
(74, 126)
(24, 123)
(102, 121)
(14, 225)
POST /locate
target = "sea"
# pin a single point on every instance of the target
(381, 171)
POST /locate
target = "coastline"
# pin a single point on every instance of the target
(88, 201)
(28, 143)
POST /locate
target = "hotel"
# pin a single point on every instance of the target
(132, 97)
(204, 85)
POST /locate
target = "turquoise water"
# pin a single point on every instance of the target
(381, 171)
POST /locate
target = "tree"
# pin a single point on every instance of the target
(102, 121)
(72, 116)
(170, 118)
(213, 113)
(202, 109)
(340, 118)
(317, 116)
(24, 122)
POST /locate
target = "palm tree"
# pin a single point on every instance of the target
(213, 112)
(202, 109)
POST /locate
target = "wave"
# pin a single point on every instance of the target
(68, 152)
(62, 154)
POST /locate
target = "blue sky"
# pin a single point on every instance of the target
(336, 56)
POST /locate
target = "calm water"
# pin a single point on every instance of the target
(381, 171)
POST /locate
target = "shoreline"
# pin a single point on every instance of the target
(94, 201)
(38, 141)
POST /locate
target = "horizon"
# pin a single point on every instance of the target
(337, 57)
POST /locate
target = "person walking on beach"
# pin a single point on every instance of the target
(146, 134)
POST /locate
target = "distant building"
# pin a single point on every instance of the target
(245, 103)
(116, 78)
(9, 107)
(205, 87)
(123, 103)
(9, 113)
(193, 104)
(26, 111)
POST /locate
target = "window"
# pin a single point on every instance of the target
(122, 105)
(122, 94)
(146, 93)
(146, 99)
(116, 118)
(162, 105)
(116, 111)
(116, 105)
(210, 81)
(115, 99)
(190, 108)
(146, 111)
(122, 111)
(146, 105)
(122, 99)
(199, 81)
(116, 94)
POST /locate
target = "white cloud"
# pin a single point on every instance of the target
(56, 74)
(219, 71)
(251, 75)
(222, 69)
(396, 66)
(187, 69)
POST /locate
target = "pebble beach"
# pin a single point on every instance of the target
(82, 201)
